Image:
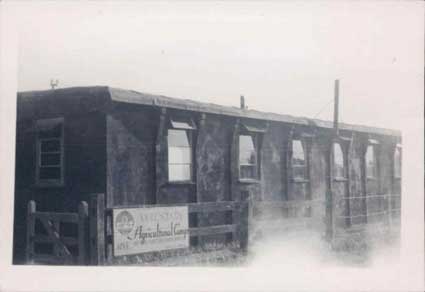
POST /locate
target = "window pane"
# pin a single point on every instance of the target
(50, 146)
(179, 155)
(50, 172)
(370, 162)
(247, 157)
(338, 158)
(299, 171)
(247, 154)
(50, 159)
(178, 138)
(397, 162)
(179, 172)
(248, 171)
(298, 156)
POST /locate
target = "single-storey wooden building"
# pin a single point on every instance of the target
(139, 148)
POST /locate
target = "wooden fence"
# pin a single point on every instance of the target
(93, 241)
(379, 219)
(285, 216)
(44, 228)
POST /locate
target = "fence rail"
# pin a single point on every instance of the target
(384, 210)
(272, 217)
(372, 196)
(204, 207)
(261, 205)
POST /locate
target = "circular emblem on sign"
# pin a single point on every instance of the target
(124, 222)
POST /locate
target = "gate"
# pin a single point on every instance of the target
(47, 238)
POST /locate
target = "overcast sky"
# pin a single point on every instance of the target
(283, 57)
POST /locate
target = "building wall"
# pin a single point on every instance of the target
(213, 160)
(357, 189)
(84, 167)
(318, 179)
(272, 162)
(137, 166)
(131, 133)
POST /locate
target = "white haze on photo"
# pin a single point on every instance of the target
(283, 57)
(307, 254)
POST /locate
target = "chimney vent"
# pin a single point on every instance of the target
(243, 102)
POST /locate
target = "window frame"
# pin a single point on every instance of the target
(50, 182)
(189, 129)
(344, 161)
(305, 147)
(256, 143)
(298, 183)
(372, 145)
(256, 130)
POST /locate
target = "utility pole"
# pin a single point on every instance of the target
(336, 107)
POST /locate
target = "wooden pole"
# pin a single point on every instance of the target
(336, 107)
(30, 231)
(82, 232)
(97, 229)
(160, 141)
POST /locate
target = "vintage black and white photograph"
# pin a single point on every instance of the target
(265, 137)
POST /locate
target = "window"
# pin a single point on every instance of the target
(299, 187)
(49, 166)
(338, 161)
(371, 165)
(397, 162)
(180, 166)
(299, 163)
(250, 137)
(248, 161)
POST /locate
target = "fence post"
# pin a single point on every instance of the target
(244, 219)
(389, 208)
(109, 236)
(30, 231)
(97, 229)
(82, 232)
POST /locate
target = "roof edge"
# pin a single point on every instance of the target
(157, 100)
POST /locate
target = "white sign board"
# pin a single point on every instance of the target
(139, 230)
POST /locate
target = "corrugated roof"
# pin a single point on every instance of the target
(134, 97)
